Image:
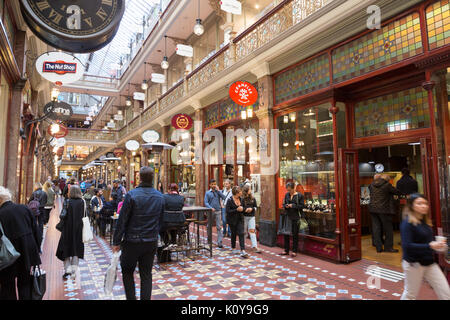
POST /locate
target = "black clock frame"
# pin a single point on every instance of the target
(66, 42)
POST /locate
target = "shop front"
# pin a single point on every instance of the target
(376, 103)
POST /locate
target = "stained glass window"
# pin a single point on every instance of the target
(438, 24)
(405, 110)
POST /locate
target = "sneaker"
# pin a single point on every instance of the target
(244, 254)
(220, 246)
(257, 250)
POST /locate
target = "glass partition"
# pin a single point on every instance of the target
(307, 159)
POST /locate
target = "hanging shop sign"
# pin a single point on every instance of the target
(185, 51)
(139, 96)
(243, 93)
(132, 145)
(58, 110)
(150, 136)
(118, 152)
(59, 67)
(74, 26)
(158, 78)
(231, 6)
(182, 121)
(62, 132)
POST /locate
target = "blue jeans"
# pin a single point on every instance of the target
(224, 223)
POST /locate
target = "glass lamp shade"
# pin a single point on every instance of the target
(144, 85)
(86, 122)
(128, 102)
(165, 63)
(243, 115)
(198, 28)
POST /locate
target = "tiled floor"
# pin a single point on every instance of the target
(227, 276)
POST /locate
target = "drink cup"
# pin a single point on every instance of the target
(441, 239)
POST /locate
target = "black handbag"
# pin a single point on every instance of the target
(173, 219)
(38, 283)
(62, 217)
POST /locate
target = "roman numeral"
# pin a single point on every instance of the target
(56, 16)
(42, 5)
(88, 21)
(101, 13)
(107, 2)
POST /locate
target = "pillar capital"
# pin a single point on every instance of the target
(428, 85)
(261, 70)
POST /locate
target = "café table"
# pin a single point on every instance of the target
(199, 215)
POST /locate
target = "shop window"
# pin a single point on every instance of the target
(307, 159)
(4, 95)
(396, 112)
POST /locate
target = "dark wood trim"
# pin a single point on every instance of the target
(279, 111)
(393, 138)
(7, 58)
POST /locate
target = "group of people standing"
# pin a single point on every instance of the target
(236, 208)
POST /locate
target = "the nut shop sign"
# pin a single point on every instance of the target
(182, 121)
(243, 93)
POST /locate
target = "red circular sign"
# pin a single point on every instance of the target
(182, 121)
(243, 93)
(63, 131)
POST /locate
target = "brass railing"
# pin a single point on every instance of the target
(91, 135)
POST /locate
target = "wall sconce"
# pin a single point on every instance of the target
(286, 119)
(292, 116)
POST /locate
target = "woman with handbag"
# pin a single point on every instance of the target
(96, 204)
(235, 218)
(48, 189)
(20, 228)
(250, 207)
(71, 246)
(293, 205)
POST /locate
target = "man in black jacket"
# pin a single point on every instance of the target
(380, 209)
(407, 185)
(137, 232)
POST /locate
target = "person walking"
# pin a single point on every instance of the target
(48, 189)
(39, 195)
(235, 218)
(116, 194)
(227, 193)
(212, 201)
(97, 203)
(250, 207)
(71, 247)
(67, 188)
(101, 184)
(407, 185)
(137, 232)
(381, 212)
(418, 251)
(293, 205)
(20, 228)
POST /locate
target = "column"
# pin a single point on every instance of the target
(165, 159)
(199, 169)
(267, 223)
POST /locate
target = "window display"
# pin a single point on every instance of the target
(307, 159)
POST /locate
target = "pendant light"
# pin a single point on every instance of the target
(165, 62)
(144, 85)
(198, 28)
(128, 102)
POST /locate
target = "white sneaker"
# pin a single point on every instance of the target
(244, 254)
(77, 278)
(69, 269)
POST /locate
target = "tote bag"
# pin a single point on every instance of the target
(87, 231)
(38, 283)
(8, 254)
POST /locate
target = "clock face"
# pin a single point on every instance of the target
(379, 168)
(74, 25)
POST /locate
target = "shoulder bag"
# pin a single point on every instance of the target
(302, 223)
(87, 231)
(38, 283)
(8, 254)
(62, 216)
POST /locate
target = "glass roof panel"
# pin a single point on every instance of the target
(106, 61)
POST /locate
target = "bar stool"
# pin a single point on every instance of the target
(201, 226)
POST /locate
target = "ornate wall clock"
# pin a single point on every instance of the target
(74, 25)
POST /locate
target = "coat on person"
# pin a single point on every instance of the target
(233, 216)
(50, 198)
(40, 196)
(407, 185)
(71, 241)
(298, 203)
(21, 229)
(173, 202)
(381, 197)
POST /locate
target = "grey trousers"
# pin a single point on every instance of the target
(218, 218)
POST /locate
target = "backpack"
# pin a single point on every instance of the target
(33, 205)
